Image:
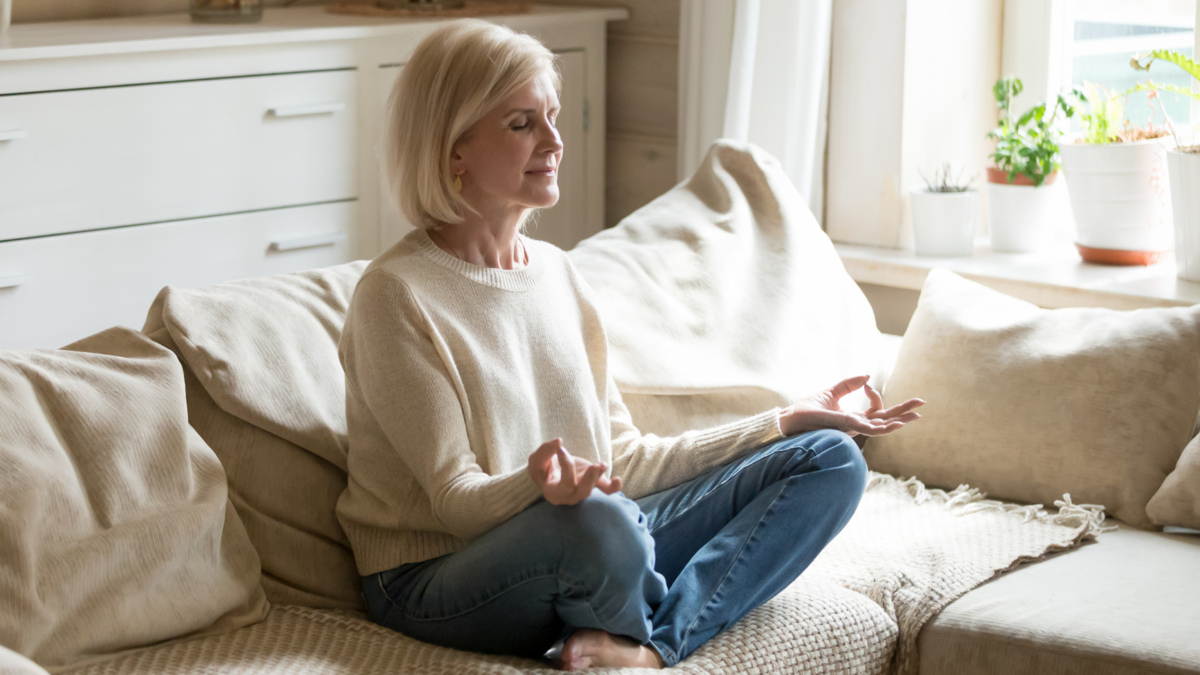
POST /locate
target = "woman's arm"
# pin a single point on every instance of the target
(648, 463)
(394, 367)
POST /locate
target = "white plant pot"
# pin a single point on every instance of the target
(1185, 198)
(944, 222)
(1020, 217)
(1120, 196)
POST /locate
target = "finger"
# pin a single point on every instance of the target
(882, 429)
(591, 478)
(900, 409)
(553, 471)
(873, 396)
(848, 385)
(614, 485)
(569, 475)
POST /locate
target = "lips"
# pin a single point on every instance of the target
(547, 171)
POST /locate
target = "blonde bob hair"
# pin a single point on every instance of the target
(457, 74)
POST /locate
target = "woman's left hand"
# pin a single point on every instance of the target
(822, 411)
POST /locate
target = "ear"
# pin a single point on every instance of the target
(458, 163)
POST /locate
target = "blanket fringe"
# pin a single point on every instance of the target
(964, 500)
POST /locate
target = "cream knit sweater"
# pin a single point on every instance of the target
(456, 373)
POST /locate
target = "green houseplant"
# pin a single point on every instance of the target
(1020, 205)
(1183, 164)
(1117, 181)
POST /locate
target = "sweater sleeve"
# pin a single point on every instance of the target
(648, 463)
(397, 369)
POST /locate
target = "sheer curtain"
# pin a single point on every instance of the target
(757, 71)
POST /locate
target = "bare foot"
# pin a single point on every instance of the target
(590, 648)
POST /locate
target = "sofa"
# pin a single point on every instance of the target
(169, 493)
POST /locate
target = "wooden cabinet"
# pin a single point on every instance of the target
(146, 152)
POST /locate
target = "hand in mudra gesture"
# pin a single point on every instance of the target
(822, 411)
(566, 479)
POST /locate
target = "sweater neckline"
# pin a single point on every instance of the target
(522, 279)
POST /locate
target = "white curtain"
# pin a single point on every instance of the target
(757, 71)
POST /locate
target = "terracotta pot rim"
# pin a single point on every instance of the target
(998, 176)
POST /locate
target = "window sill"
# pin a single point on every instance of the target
(1056, 278)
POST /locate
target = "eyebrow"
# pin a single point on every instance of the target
(528, 111)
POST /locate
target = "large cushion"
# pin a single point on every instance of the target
(116, 530)
(1177, 502)
(723, 297)
(1028, 404)
(267, 392)
(1124, 605)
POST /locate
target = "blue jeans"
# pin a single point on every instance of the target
(670, 570)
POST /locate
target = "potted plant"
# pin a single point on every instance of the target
(1020, 205)
(1183, 166)
(944, 214)
(1117, 181)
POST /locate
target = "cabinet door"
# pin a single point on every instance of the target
(564, 224)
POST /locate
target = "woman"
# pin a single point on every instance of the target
(467, 345)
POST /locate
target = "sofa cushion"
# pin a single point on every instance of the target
(1028, 404)
(115, 524)
(1124, 604)
(1177, 502)
(723, 297)
(266, 391)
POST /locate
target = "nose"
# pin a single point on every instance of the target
(551, 141)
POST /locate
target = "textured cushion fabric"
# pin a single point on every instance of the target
(726, 288)
(1177, 502)
(1028, 404)
(267, 393)
(116, 530)
(1124, 605)
(808, 628)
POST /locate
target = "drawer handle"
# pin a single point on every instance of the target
(308, 242)
(308, 109)
(12, 134)
(14, 280)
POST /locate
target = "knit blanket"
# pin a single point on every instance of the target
(907, 553)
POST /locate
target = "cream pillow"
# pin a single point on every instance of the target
(116, 530)
(267, 392)
(1029, 404)
(1177, 502)
(723, 298)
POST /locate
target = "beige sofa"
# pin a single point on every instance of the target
(174, 563)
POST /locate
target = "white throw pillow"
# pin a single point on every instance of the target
(723, 297)
(116, 530)
(1177, 502)
(1029, 403)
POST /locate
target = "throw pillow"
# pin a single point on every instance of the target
(267, 392)
(723, 297)
(1029, 403)
(1177, 502)
(116, 530)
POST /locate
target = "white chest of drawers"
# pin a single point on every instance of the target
(141, 153)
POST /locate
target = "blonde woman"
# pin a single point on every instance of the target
(499, 497)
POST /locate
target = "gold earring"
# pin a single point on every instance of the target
(458, 183)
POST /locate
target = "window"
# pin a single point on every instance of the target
(1100, 36)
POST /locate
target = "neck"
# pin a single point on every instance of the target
(488, 243)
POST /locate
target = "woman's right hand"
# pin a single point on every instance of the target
(565, 479)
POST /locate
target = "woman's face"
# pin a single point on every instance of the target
(509, 159)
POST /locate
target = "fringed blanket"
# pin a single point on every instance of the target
(906, 554)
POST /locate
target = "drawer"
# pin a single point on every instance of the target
(56, 290)
(115, 156)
